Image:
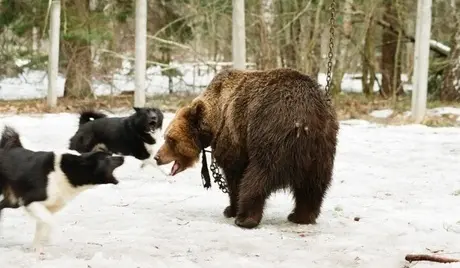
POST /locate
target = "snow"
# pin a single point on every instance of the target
(439, 111)
(440, 45)
(445, 110)
(400, 180)
(32, 84)
(384, 113)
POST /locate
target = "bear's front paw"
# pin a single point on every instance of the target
(229, 212)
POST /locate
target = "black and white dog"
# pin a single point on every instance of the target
(134, 135)
(44, 182)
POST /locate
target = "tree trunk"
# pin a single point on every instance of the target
(290, 33)
(267, 57)
(341, 63)
(368, 59)
(390, 73)
(227, 43)
(451, 83)
(77, 49)
(313, 50)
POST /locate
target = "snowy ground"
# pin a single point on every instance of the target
(32, 84)
(401, 181)
(439, 111)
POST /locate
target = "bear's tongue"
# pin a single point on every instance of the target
(175, 168)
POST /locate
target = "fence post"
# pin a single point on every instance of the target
(53, 52)
(238, 35)
(141, 53)
(421, 60)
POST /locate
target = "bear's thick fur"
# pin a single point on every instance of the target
(268, 130)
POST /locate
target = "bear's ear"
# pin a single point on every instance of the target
(137, 109)
(196, 111)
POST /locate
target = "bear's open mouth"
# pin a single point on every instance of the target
(176, 168)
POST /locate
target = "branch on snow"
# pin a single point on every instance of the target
(431, 258)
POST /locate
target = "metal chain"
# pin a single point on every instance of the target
(331, 51)
(218, 177)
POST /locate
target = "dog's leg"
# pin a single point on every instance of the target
(45, 224)
(149, 162)
(4, 203)
(2, 206)
(42, 232)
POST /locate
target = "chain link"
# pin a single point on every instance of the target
(330, 55)
(218, 177)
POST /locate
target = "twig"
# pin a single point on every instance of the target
(296, 17)
(425, 257)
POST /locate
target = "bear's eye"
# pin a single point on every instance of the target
(170, 140)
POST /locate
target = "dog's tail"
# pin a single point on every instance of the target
(88, 115)
(10, 139)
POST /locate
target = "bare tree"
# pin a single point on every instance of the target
(451, 82)
(342, 60)
(76, 47)
(266, 56)
(368, 65)
(391, 70)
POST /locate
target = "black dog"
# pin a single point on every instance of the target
(134, 135)
(44, 182)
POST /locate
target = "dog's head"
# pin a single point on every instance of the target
(149, 119)
(185, 137)
(92, 168)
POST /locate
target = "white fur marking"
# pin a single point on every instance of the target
(100, 147)
(45, 224)
(152, 149)
(59, 190)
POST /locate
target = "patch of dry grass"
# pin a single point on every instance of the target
(348, 106)
(357, 106)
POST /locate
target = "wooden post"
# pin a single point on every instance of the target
(53, 52)
(238, 35)
(141, 53)
(421, 60)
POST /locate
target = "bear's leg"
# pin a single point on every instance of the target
(233, 178)
(309, 195)
(308, 202)
(252, 197)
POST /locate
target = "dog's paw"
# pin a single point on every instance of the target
(41, 256)
(37, 249)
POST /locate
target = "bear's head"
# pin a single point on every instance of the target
(185, 137)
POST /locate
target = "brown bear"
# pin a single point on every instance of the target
(268, 130)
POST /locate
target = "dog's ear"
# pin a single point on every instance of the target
(196, 111)
(137, 109)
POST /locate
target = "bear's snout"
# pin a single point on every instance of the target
(157, 159)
